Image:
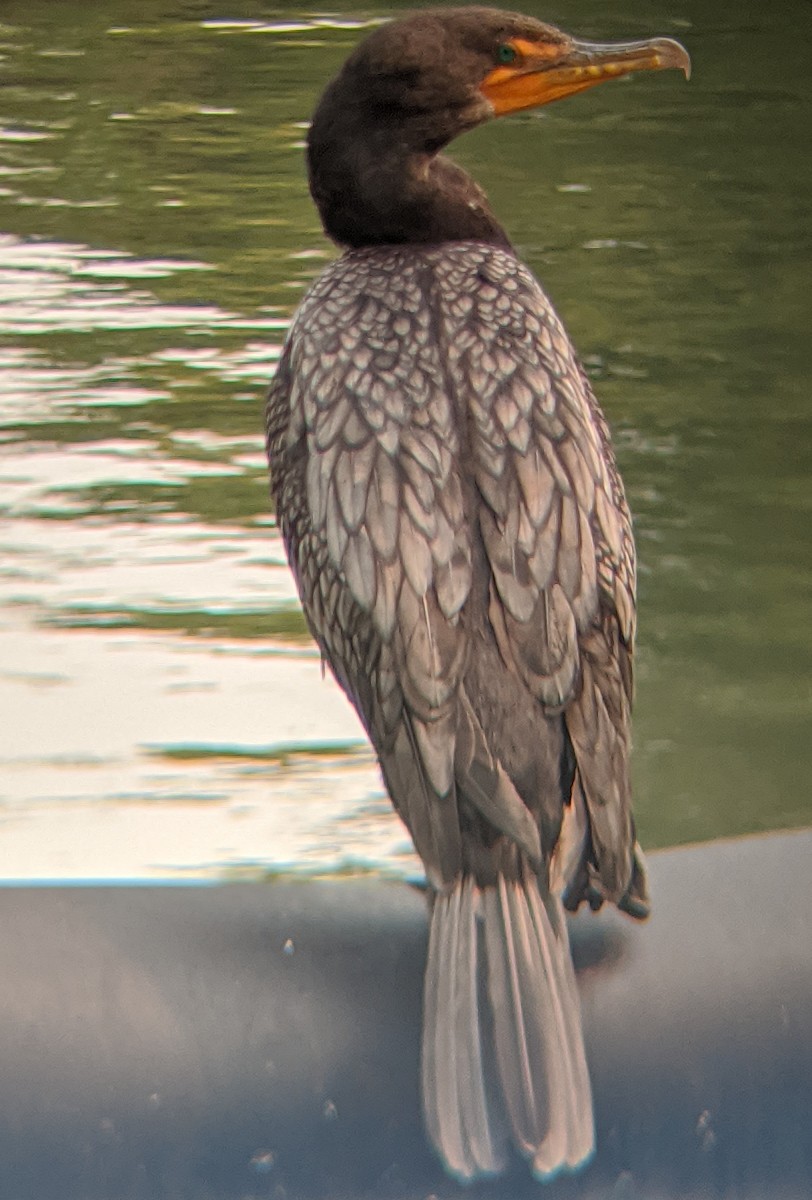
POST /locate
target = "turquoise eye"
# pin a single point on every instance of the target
(506, 53)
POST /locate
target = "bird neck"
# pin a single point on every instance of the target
(372, 187)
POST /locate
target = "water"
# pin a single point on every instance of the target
(162, 711)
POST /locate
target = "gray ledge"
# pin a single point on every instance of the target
(244, 1041)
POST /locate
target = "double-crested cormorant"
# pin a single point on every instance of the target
(455, 520)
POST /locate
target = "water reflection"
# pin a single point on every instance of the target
(162, 708)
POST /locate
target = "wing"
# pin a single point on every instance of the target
(363, 450)
(558, 537)
(425, 400)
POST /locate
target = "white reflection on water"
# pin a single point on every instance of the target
(91, 787)
(136, 753)
(33, 390)
(140, 735)
(247, 25)
(50, 287)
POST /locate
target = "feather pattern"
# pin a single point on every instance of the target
(499, 968)
(449, 500)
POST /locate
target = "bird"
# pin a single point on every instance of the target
(452, 511)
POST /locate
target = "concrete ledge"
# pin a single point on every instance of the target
(247, 1041)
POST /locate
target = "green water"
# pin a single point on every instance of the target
(161, 709)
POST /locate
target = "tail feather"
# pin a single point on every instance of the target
(573, 1091)
(484, 1131)
(502, 1041)
(461, 1117)
(514, 990)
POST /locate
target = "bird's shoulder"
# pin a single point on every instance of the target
(432, 369)
(405, 276)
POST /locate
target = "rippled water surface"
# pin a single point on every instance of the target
(162, 711)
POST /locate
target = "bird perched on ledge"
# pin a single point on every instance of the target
(452, 511)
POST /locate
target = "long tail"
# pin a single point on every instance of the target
(503, 1051)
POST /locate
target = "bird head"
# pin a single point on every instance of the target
(435, 73)
(416, 83)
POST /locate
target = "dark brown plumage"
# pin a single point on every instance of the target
(449, 499)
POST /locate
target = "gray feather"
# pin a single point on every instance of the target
(383, 510)
(447, 492)
(486, 785)
(460, 1096)
(515, 979)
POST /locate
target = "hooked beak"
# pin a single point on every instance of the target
(547, 71)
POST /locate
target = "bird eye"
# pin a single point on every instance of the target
(506, 53)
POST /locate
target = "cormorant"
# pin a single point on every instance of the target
(455, 520)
